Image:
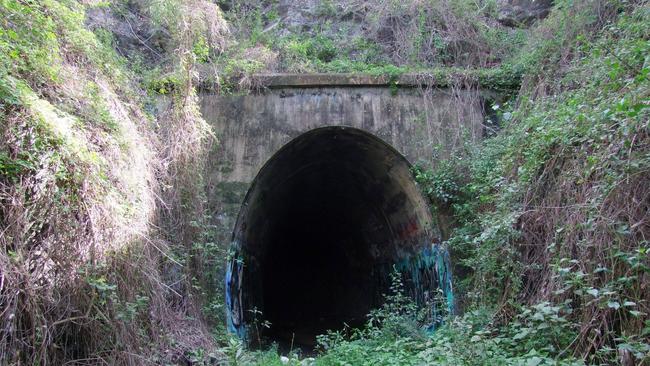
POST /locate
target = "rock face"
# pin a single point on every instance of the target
(298, 13)
(134, 34)
(514, 13)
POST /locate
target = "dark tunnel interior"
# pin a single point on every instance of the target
(317, 242)
(322, 218)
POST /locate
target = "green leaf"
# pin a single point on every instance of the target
(593, 292)
(534, 361)
(613, 305)
(521, 335)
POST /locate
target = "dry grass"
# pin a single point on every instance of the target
(85, 196)
(554, 41)
(600, 234)
(88, 275)
(428, 32)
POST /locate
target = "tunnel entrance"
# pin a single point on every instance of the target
(318, 232)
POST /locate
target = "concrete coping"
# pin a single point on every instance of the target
(433, 80)
(325, 80)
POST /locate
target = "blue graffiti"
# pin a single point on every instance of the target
(234, 313)
(428, 281)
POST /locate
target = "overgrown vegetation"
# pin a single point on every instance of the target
(108, 251)
(374, 37)
(89, 189)
(548, 220)
(553, 210)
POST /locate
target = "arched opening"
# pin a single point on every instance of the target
(320, 228)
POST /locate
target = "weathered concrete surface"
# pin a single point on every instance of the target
(345, 80)
(251, 128)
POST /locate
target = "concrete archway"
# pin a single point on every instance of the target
(320, 228)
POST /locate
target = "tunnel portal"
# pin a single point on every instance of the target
(318, 232)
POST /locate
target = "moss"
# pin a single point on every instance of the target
(232, 192)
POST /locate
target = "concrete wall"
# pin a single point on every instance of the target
(251, 128)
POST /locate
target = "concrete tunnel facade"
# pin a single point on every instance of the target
(324, 222)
